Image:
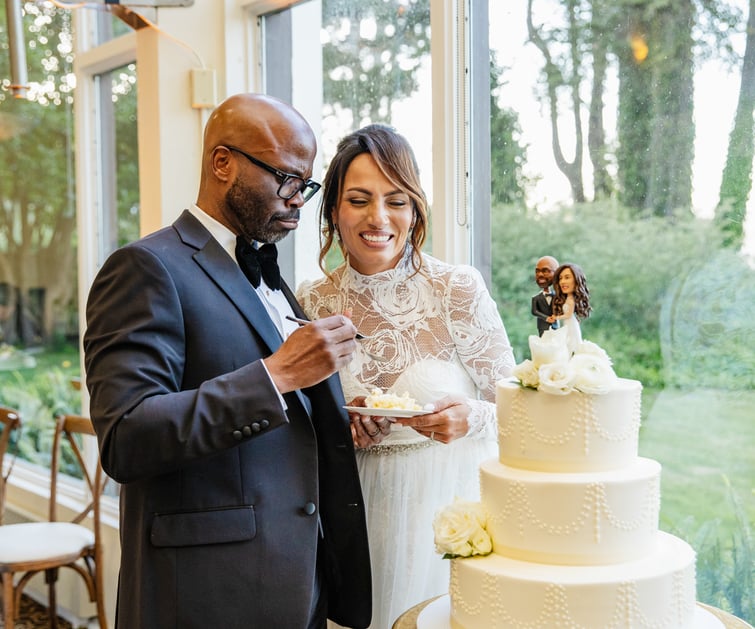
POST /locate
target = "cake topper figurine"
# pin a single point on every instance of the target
(571, 302)
(542, 307)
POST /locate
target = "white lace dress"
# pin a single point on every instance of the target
(442, 334)
(571, 323)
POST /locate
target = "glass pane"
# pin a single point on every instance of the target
(39, 321)
(38, 265)
(647, 188)
(376, 68)
(109, 26)
(120, 166)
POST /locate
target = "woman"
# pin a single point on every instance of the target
(572, 301)
(437, 336)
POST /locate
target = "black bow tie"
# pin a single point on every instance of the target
(259, 262)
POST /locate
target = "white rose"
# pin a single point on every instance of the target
(592, 373)
(459, 530)
(551, 347)
(588, 347)
(526, 373)
(557, 378)
(481, 542)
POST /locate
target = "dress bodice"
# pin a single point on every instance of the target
(439, 331)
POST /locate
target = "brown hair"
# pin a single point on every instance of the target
(395, 159)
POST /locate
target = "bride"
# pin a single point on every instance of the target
(572, 301)
(432, 331)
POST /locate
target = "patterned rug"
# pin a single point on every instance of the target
(32, 615)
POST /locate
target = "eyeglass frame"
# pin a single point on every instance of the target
(308, 187)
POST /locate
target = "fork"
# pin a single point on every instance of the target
(359, 336)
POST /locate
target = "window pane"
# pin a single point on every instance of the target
(645, 187)
(376, 68)
(38, 264)
(120, 167)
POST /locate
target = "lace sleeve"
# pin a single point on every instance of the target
(481, 342)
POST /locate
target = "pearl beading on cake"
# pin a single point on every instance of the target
(555, 609)
(594, 508)
(584, 420)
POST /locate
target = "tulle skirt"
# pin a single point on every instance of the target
(403, 489)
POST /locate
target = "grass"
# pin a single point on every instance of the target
(705, 441)
(702, 438)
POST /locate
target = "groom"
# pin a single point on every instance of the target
(240, 498)
(542, 302)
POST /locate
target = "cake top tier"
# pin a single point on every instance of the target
(575, 432)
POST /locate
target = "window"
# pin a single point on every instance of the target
(39, 232)
(374, 67)
(639, 187)
(38, 263)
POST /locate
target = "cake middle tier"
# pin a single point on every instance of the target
(588, 518)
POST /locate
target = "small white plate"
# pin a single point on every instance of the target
(385, 412)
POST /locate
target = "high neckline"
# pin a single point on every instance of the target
(400, 271)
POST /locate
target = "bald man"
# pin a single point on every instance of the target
(541, 303)
(240, 500)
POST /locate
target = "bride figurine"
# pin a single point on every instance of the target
(572, 301)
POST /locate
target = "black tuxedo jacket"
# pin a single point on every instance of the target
(223, 493)
(542, 310)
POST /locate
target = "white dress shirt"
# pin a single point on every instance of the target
(275, 301)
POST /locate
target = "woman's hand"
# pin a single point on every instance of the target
(367, 430)
(446, 422)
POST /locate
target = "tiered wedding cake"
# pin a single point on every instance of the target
(570, 509)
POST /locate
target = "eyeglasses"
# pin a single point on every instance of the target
(290, 184)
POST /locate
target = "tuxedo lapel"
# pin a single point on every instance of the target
(218, 265)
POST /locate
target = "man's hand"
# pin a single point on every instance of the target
(312, 353)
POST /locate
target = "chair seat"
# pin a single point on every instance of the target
(37, 541)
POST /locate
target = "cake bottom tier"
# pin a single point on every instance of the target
(656, 591)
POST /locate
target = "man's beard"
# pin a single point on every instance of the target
(255, 220)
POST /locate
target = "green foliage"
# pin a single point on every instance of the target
(630, 266)
(507, 156)
(366, 70)
(706, 318)
(37, 195)
(39, 394)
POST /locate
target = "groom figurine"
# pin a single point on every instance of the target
(541, 303)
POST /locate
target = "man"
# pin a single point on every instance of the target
(541, 303)
(240, 504)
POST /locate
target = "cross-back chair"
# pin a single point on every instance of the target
(9, 423)
(30, 548)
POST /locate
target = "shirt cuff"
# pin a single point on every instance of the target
(284, 406)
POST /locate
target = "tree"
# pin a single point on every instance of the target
(596, 134)
(563, 73)
(371, 56)
(736, 182)
(507, 156)
(37, 202)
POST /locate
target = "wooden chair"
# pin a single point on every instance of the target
(9, 422)
(33, 547)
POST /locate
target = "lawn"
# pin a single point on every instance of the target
(702, 438)
(705, 441)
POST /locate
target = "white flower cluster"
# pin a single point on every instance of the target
(460, 530)
(553, 369)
